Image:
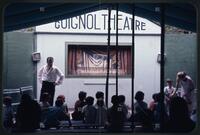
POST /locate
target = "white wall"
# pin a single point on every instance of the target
(147, 70)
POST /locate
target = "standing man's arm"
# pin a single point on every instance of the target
(188, 95)
(191, 90)
(40, 74)
(177, 84)
(60, 77)
(192, 87)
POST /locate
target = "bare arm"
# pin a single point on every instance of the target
(177, 85)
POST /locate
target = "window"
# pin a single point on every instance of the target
(85, 60)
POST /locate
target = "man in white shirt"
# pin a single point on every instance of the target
(186, 84)
(50, 76)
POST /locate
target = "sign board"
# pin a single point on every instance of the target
(97, 22)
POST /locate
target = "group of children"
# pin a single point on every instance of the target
(46, 116)
(30, 114)
(98, 114)
(174, 114)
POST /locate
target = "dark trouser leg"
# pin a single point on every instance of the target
(48, 87)
(51, 93)
(43, 90)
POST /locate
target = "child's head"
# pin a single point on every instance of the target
(122, 99)
(139, 96)
(82, 95)
(89, 100)
(154, 96)
(115, 100)
(158, 97)
(99, 95)
(7, 100)
(59, 102)
(62, 97)
(169, 82)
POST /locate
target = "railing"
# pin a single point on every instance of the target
(15, 94)
(20, 90)
(28, 90)
(10, 91)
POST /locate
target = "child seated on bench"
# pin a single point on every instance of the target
(89, 111)
(55, 115)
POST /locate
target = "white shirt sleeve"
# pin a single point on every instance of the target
(191, 83)
(60, 76)
(40, 74)
(165, 90)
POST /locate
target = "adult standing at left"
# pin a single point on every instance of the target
(50, 76)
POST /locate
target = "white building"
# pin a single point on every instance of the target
(58, 39)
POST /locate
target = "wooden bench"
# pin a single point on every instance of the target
(80, 124)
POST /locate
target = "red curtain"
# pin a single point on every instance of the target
(92, 60)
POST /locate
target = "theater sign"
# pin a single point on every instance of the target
(97, 22)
